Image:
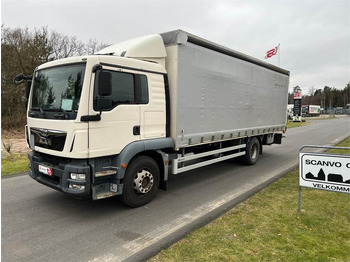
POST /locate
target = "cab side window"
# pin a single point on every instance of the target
(127, 88)
(123, 89)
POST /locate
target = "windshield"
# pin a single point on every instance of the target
(57, 89)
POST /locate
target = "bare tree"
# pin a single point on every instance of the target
(65, 46)
(22, 51)
(94, 46)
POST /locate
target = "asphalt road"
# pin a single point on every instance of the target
(40, 224)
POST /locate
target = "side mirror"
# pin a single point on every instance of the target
(19, 79)
(104, 104)
(104, 83)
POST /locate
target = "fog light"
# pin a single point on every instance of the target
(78, 177)
(78, 187)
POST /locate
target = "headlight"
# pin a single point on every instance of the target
(78, 177)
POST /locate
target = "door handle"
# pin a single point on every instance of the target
(136, 130)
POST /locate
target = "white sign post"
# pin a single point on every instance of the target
(324, 171)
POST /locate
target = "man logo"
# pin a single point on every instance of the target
(44, 141)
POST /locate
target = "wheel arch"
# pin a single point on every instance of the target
(162, 161)
(151, 148)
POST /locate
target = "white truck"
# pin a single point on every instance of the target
(119, 122)
(311, 110)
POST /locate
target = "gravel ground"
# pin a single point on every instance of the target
(14, 146)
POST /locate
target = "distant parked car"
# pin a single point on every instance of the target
(339, 110)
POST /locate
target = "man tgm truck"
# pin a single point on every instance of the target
(119, 122)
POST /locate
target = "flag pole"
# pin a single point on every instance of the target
(279, 54)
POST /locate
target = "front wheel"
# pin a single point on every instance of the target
(252, 151)
(141, 182)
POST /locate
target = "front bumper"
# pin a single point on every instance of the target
(60, 175)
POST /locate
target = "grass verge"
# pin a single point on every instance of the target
(15, 163)
(267, 227)
(291, 124)
(344, 143)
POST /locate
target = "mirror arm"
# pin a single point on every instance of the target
(28, 77)
(97, 67)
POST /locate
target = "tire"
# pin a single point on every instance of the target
(141, 182)
(252, 151)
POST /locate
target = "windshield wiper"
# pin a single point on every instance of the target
(65, 115)
(34, 114)
(42, 112)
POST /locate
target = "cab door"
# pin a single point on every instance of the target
(119, 123)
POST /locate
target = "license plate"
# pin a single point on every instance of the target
(45, 170)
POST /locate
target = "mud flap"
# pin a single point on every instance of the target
(163, 185)
(277, 139)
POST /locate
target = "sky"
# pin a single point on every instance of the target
(314, 36)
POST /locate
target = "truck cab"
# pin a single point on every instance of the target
(83, 109)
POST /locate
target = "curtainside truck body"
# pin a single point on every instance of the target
(119, 122)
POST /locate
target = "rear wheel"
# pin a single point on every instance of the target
(141, 182)
(252, 151)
